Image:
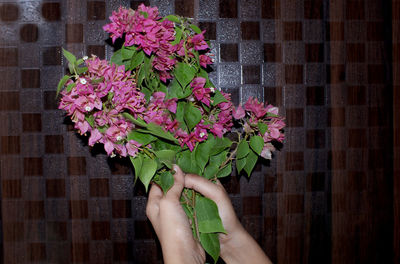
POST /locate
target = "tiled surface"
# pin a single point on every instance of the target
(326, 197)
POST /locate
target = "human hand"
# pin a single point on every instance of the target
(237, 246)
(172, 225)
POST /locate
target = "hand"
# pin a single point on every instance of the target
(237, 246)
(172, 225)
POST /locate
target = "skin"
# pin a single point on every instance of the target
(173, 229)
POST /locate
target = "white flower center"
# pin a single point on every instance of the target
(82, 81)
(85, 58)
(88, 108)
(212, 89)
(119, 138)
(202, 134)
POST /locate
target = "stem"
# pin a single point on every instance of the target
(196, 224)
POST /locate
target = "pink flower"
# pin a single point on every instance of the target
(202, 94)
(218, 130)
(252, 105)
(267, 150)
(132, 147)
(95, 136)
(238, 113)
(205, 60)
(198, 41)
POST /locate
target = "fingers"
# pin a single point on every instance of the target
(179, 182)
(213, 191)
(153, 201)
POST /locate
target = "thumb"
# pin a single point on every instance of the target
(179, 183)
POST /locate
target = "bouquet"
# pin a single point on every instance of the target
(154, 103)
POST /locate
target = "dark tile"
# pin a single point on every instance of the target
(31, 122)
(99, 188)
(376, 31)
(315, 182)
(313, 9)
(8, 57)
(49, 100)
(357, 138)
(336, 160)
(56, 231)
(270, 184)
(74, 33)
(377, 74)
(13, 231)
(33, 166)
(78, 209)
(122, 251)
(34, 210)
(250, 30)
(231, 184)
(292, 31)
(76, 165)
(314, 52)
(271, 9)
(54, 144)
(80, 252)
(9, 101)
(55, 188)
(295, 117)
(294, 203)
(252, 205)
(119, 167)
(96, 10)
(356, 95)
(334, 31)
(52, 56)
(10, 145)
(273, 95)
(11, 189)
(228, 8)
(378, 117)
(251, 74)
(9, 12)
(98, 50)
(272, 52)
(294, 74)
(294, 161)
(228, 52)
(336, 117)
(315, 139)
(355, 52)
(315, 95)
(210, 28)
(355, 9)
(36, 252)
(121, 209)
(143, 230)
(335, 73)
(30, 78)
(100, 230)
(51, 11)
(357, 181)
(135, 4)
(184, 8)
(379, 159)
(29, 33)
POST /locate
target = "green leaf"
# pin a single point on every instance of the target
(210, 243)
(117, 57)
(240, 163)
(220, 145)
(137, 164)
(96, 81)
(90, 120)
(211, 170)
(218, 98)
(166, 156)
(166, 181)
(70, 87)
(136, 60)
(251, 161)
(178, 36)
(138, 121)
(81, 70)
(157, 130)
(208, 218)
(219, 158)
(192, 116)
(161, 144)
(172, 18)
(70, 57)
(225, 171)
(147, 171)
(187, 162)
(141, 138)
(257, 144)
(184, 73)
(262, 127)
(243, 149)
(127, 53)
(79, 62)
(203, 152)
(195, 28)
(61, 83)
(180, 112)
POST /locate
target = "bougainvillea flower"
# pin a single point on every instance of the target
(238, 112)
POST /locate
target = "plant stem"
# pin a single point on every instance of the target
(196, 224)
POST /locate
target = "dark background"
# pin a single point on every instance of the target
(329, 196)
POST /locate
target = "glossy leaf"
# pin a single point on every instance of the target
(203, 152)
(218, 98)
(137, 164)
(251, 161)
(211, 171)
(192, 116)
(208, 218)
(166, 156)
(138, 121)
(195, 28)
(141, 138)
(257, 144)
(172, 18)
(70, 57)
(220, 145)
(61, 83)
(137, 59)
(147, 171)
(243, 149)
(262, 127)
(225, 171)
(210, 243)
(166, 180)
(184, 73)
(240, 163)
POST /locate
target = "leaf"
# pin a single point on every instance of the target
(192, 116)
(251, 161)
(203, 152)
(166, 181)
(178, 36)
(257, 144)
(156, 130)
(195, 28)
(219, 158)
(225, 171)
(138, 121)
(172, 18)
(70, 57)
(70, 87)
(161, 144)
(262, 127)
(240, 163)
(187, 162)
(243, 149)
(210, 243)
(220, 145)
(147, 171)
(211, 170)
(180, 111)
(166, 156)
(218, 98)
(208, 218)
(90, 120)
(141, 138)
(81, 70)
(136, 60)
(117, 57)
(127, 53)
(137, 164)
(61, 83)
(184, 73)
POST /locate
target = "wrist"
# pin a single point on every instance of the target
(175, 254)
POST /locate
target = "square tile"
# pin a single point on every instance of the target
(55, 188)
(272, 52)
(250, 30)
(31, 122)
(99, 188)
(30, 78)
(228, 9)
(292, 31)
(74, 33)
(271, 9)
(9, 101)
(33, 166)
(96, 10)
